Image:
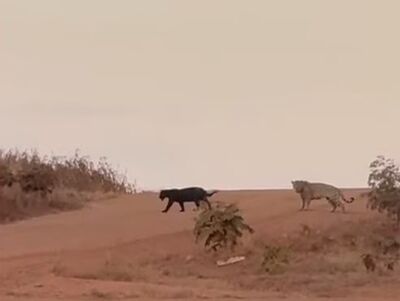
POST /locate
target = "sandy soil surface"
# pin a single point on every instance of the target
(126, 249)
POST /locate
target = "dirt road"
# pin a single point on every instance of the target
(56, 257)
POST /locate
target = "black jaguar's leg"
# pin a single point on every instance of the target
(208, 203)
(197, 203)
(168, 206)
(182, 206)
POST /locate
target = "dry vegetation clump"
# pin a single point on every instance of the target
(323, 263)
(32, 185)
(110, 268)
(275, 259)
(6, 176)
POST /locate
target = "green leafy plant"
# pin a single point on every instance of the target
(384, 181)
(274, 259)
(220, 227)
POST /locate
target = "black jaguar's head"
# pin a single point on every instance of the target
(163, 194)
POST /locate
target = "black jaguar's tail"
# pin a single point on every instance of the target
(212, 193)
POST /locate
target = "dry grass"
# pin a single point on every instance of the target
(16, 205)
(322, 264)
(31, 184)
(101, 295)
(109, 269)
(326, 263)
(77, 172)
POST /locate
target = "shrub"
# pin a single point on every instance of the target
(36, 173)
(274, 259)
(37, 177)
(384, 181)
(220, 227)
(386, 252)
(45, 184)
(6, 176)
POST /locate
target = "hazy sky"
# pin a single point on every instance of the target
(222, 94)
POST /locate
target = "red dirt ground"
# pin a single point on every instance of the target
(126, 249)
